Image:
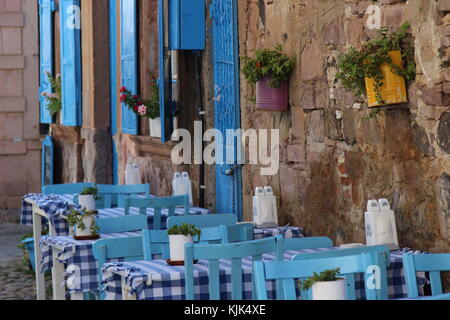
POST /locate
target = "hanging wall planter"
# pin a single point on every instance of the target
(270, 70)
(379, 69)
(155, 127)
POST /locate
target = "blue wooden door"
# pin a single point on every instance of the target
(227, 106)
(113, 83)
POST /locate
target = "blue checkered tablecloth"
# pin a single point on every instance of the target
(156, 280)
(57, 207)
(81, 267)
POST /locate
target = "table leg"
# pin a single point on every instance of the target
(37, 230)
(59, 291)
(126, 295)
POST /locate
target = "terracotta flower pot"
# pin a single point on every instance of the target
(272, 99)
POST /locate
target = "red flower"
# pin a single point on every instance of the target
(122, 98)
(123, 89)
(258, 65)
(136, 107)
(135, 97)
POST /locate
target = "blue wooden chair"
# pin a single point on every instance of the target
(379, 255)
(157, 203)
(70, 188)
(203, 221)
(306, 243)
(114, 195)
(432, 263)
(231, 251)
(128, 248)
(288, 272)
(236, 232)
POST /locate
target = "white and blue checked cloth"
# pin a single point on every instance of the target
(156, 280)
(57, 207)
(81, 272)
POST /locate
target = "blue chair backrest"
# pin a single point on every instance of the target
(230, 251)
(236, 232)
(169, 203)
(114, 195)
(135, 222)
(203, 221)
(379, 255)
(432, 263)
(306, 243)
(288, 272)
(128, 249)
(70, 188)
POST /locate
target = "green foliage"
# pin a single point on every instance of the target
(53, 98)
(268, 62)
(355, 65)
(90, 190)
(75, 218)
(22, 246)
(185, 230)
(148, 108)
(327, 275)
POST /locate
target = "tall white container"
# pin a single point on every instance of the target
(155, 127)
(380, 224)
(181, 185)
(87, 202)
(176, 246)
(88, 221)
(265, 213)
(329, 290)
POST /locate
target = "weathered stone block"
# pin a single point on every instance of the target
(388, 1)
(296, 153)
(11, 20)
(12, 6)
(12, 104)
(312, 64)
(10, 147)
(443, 133)
(12, 62)
(333, 33)
(444, 5)
(11, 40)
(420, 139)
(435, 96)
(11, 126)
(10, 83)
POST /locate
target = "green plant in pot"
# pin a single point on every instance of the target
(84, 222)
(87, 198)
(326, 285)
(379, 68)
(179, 235)
(270, 70)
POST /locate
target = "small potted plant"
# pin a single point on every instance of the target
(380, 67)
(326, 285)
(85, 224)
(270, 70)
(87, 198)
(178, 237)
(53, 98)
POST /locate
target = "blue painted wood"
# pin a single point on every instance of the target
(236, 232)
(231, 251)
(164, 82)
(113, 36)
(432, 263)
(46, 8)
(114, 195)
(129, 61)
(379, 255)
(135, 222)
(226, 102)
(187, 24)
(445, 296)
(70, 188)
(289, 271)
(47, 163)
(202, 221)
(306, 243)
(169, 203)
(71, 82)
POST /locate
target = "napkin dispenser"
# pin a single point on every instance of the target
(132, 173)
(182, 185)
(380, 224)
(265, 208)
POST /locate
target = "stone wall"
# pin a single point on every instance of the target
(19, 105)
(332, 160)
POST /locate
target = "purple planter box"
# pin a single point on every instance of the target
(272, 99)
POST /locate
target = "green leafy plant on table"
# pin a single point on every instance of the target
(75, 218)
(184, 230)
(356, 65)
(327, 275)
(90, 191)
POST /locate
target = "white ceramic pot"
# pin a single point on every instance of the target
(87, 202)
(88, 221)
(329, 290)
(155, 127)
(176, 246)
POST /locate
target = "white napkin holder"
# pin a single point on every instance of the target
(265, 208)
(380, 224)
(181, 185)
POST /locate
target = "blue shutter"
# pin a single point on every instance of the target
(128, 52)
(46, 8)
(71, 81)
(47, 161)
(164, 82)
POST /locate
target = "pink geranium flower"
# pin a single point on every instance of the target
(142, 110)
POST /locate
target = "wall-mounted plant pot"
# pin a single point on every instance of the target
(87, 201)
(155, 127)
(393, 90)
(329, 290)
(176, 246)
(272, 99)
